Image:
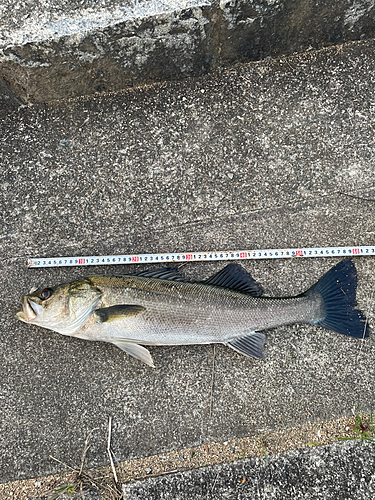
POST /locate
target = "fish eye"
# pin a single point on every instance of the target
(46, 293)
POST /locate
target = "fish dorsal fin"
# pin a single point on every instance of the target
(249, 345)
(165, 273)
(235, 277)
(115, 313)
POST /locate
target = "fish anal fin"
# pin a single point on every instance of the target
(135, 350)
(249, 345)
(115, 313)
(235, 277)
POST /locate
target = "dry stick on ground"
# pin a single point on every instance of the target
(213, 486)
(364, 329)
(356, 197)
(109, 450)
(62, 463)
(83, 458)
(85, 449)
(107, 491)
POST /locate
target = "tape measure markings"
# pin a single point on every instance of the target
(100, 260)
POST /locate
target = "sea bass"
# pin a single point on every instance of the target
(161, 307)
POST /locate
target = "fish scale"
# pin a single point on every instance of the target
(192, 313)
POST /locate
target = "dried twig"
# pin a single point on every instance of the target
(109, 450)
(213, 486)
(84, 479)
(62, 463)
(364, 329)
(85, 449)
(355, 197)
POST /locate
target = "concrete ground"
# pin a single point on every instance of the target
(270, 154)
(337, 472)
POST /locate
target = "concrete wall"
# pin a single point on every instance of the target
(79, 48)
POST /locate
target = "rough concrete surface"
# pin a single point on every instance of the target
(341, 471)
(257, 446)
(58, 54)
(52, 50)
(258, 156)
(336, 472)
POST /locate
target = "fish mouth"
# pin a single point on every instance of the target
(30, 310)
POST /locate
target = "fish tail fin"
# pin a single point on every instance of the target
(338, 291)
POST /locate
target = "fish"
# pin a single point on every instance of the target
(161, 307)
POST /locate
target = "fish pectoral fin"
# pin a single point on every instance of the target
(115, 313)
(135, 350)
(249, 345)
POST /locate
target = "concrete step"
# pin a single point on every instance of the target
(335, 472)
(294, 463)
(62, 49)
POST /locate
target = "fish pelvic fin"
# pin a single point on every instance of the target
(250, 345)
(135, 350)
(115, 313)
(338, 291)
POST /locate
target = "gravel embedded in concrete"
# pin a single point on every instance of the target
(335, 472)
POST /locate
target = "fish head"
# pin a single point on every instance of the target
(63, 308)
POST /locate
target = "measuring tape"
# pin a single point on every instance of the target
(147, 258)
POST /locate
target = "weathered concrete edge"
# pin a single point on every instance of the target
(335, 472)
(206, 455)
(169, 45)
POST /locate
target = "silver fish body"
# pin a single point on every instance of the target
(161, 308)
(190, 313)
